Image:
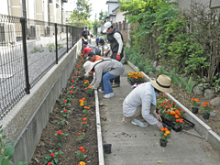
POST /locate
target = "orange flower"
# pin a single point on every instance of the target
(83, 123)
(205, 104)
(83, 130)
(86, 107)
(79, 134)
(81, 148)
(83, 99)
(84, 119)
(165, 134)
(59, 132)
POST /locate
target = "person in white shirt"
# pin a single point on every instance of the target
(142, 101)
(115, 39)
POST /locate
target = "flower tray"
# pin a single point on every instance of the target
(186, 125)
(170, 124)
(132, 83)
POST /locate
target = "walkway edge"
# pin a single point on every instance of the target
(203, 129)
(99, 131)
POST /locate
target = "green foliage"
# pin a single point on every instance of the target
(189, 85)
(102, 15)
(50, 46)
(35, 50)
(216, 82)
(7, 151)
(95, 26)
(80, 15)
(52, 157)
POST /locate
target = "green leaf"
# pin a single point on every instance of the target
(10, 163)
(56, 160)
(21, 163)
(9, 150)
(159, 161)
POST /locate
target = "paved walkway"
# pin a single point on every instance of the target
(133, 145)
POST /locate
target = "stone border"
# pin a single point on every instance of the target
(99, 130)
(203, 129)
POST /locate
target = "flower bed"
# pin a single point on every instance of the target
(77, 124)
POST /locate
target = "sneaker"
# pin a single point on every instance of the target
(115, 85)
(107, 96)
(139, 123)
(101, 91)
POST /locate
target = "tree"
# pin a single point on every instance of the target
(95, 25)
(81, 14)
(102, 15)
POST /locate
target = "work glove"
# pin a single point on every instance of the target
(107, 52)
(118, 57)
(86, 74)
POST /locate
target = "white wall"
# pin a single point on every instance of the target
(31, 9)
(112, 6)
(4, 7)
(119, 16)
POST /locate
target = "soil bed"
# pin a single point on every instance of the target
(185, 99)
(48, 139)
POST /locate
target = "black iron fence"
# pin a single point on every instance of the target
(28, 49)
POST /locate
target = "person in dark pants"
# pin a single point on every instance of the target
(101, 41)
(115, 39)
(85, 34)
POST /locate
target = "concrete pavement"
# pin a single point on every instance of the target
(133, 145)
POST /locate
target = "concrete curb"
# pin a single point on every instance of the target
(99, 131)
(203, 129)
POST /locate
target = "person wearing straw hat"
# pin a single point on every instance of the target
(142, 101)
(105, 70)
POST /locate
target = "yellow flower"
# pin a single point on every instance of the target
(167, 132)
(82, 163)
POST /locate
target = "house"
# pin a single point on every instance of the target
(116, 17)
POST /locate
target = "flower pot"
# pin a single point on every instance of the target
(195, 110)
(206, 116)
(107, 148)
(171, 125)
(163, 143)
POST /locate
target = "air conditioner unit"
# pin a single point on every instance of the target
(7, 35)
(38, 32)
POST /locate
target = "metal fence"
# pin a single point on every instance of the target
(28, 49)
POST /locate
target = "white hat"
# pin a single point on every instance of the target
(106, 26)
(88, 65)
(162, 83)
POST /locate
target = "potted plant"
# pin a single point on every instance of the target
(206, 109)
(135, 77)
(164, 135)
(195, 105)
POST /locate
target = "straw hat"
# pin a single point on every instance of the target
(162, 83)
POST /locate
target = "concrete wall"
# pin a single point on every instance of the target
(24, 123)
(185, 4)
(4, 7)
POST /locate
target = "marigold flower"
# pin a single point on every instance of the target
(64, 101)
(79, 134)
(83, 99)
(61, 119)
(78, 66)
(84, 119)
(81, 148)
(83, 123)
(87, 107)
(165, 134)
(82, 163)
(71, 91)
(74, 76)
(49, 163)
(59, 132)
(83, 130)
(77, 72)
(72, 86)
(73, 81)
(165, 129)
(205, 104)
(64, 110)
(52, 154)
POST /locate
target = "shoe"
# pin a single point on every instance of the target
(101, 91)
(115, 85)
(139, 123)
(107, 96)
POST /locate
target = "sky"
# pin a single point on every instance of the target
(97, 6)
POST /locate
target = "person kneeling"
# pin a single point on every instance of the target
(142, 101)
(105, 70)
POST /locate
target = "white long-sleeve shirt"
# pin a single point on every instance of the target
(144, 95)
(118, 38)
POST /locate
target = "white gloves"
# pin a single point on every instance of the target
(86, 74)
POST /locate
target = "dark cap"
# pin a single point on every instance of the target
(90, 54)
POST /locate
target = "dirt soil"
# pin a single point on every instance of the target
(48, 139)
(185, 99)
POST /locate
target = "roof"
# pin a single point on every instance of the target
(116, 8)
(111, 2)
